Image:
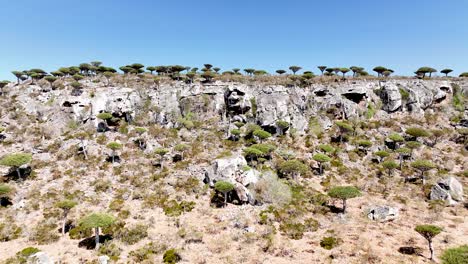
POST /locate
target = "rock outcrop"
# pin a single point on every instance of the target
(234, 170)
(449, 190)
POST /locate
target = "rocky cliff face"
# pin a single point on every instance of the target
(233, 102)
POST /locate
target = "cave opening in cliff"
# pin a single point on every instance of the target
(355, 97)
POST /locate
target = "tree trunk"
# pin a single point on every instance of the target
(19, 174)
(85, 152)
(113, 156)
(401, 162)
(431, 249)
(64, 223)
(389, 173)
(344, 206)
(320, 168)
(225, 199)
(96, 239)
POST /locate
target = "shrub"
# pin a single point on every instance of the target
(405, 95)
(417, 132)
(45, 233)
(173, 208)
(235, 132)
(9, 231)
(395, 137)
(171, 256)
(457, 255)
(79, 232)
(326, 148)
(22, 256)
(382, 154)
(293, 230)
(104, 116)
(329, 242)
(364, 143)
(147, 252)
(111, 250)
(270, 189)
(132, 235)
(5, 190)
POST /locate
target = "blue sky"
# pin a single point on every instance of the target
(263, 34)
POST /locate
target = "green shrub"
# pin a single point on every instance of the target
(111, 250)
(9, 231)
(417, 132)
(364, 143)
(171, 256)
(173, 208)
(329, 242)
(404, 94)
(5, 190)
(457, 255)
(382, 154)
(104, 116)
(147, 252)
(326, 148)
(22, 256)
(293, 230)
(132, 235)
(79, 232)
(45, 233)
(269, 189)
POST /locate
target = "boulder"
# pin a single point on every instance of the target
(103, 259)
(226, 169)
(40, 258)
(382, 213)
(391, 97)
(448, 189)
(231, 169)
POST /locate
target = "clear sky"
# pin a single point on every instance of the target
(263, 34)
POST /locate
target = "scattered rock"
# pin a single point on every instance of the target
(383, 213)
(103, 259)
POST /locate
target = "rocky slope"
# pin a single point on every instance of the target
(267, 220)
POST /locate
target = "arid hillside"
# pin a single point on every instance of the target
(233, 170)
